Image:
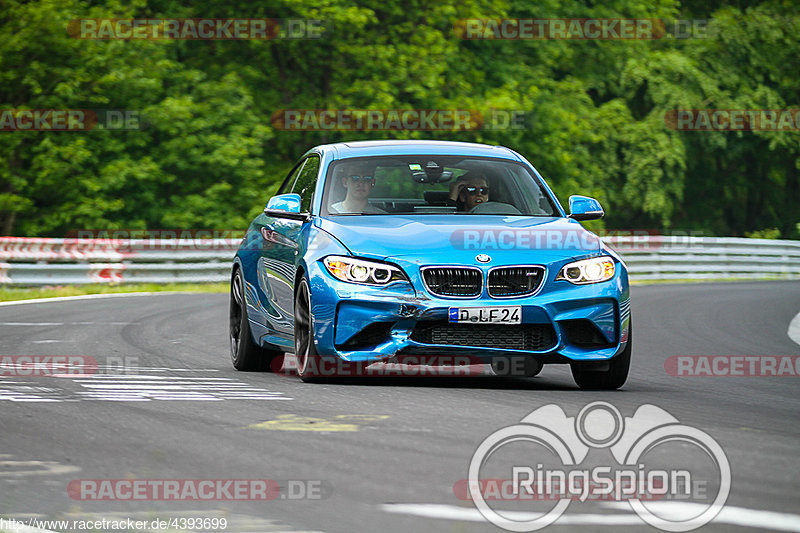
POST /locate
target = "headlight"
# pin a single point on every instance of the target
(362, 271)
(588, 271)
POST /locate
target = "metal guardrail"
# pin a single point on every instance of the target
(657, 257)
(39, 261)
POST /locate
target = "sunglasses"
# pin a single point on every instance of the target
(477, 190)
(361, 178)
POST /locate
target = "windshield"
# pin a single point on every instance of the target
(433, 185)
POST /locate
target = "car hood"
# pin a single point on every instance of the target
(458, 239)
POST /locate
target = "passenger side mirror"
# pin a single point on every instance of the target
(584, 208)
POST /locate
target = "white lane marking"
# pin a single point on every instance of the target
(118, 323)
(134, 388)
(34, 468)
(124, 378)
(738, 516)
(46, 341)
(32, 323)
(92, 297)
(175, 386)
(155, 369)
(28, 399)
(471, 514)
(794, 329)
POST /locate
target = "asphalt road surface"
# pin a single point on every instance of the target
(374, 455)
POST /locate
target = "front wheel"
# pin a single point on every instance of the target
(610, 379)
(308, 362)
(245, 354)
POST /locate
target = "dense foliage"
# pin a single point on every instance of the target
(210, 157)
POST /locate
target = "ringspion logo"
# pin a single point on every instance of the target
(542, 460)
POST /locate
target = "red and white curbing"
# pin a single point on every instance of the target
(106, 272)
(43, 249)
(44, 261)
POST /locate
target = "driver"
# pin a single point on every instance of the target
(468, 191)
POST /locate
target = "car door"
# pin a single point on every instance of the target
(267, 322)
(282, 245)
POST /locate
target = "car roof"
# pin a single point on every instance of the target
(349, 149)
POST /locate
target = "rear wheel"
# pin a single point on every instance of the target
(308, 362)
(245, 354)
(612, 378)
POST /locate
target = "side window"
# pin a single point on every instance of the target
(286, 187)
(307, 182)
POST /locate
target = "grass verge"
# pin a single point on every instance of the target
(8, 294)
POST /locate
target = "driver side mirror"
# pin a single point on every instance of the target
(286, 206)
(584, 208)
(284, 202)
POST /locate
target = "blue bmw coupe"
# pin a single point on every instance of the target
(422, 251)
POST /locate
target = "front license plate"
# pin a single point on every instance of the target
(507, 314)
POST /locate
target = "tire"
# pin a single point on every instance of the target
(532, 370)
(507, 367)
(308, 361)
(610, 379)
(245, 354)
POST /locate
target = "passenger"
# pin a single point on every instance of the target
(358, 181)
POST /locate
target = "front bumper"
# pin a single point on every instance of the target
(360, 323)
